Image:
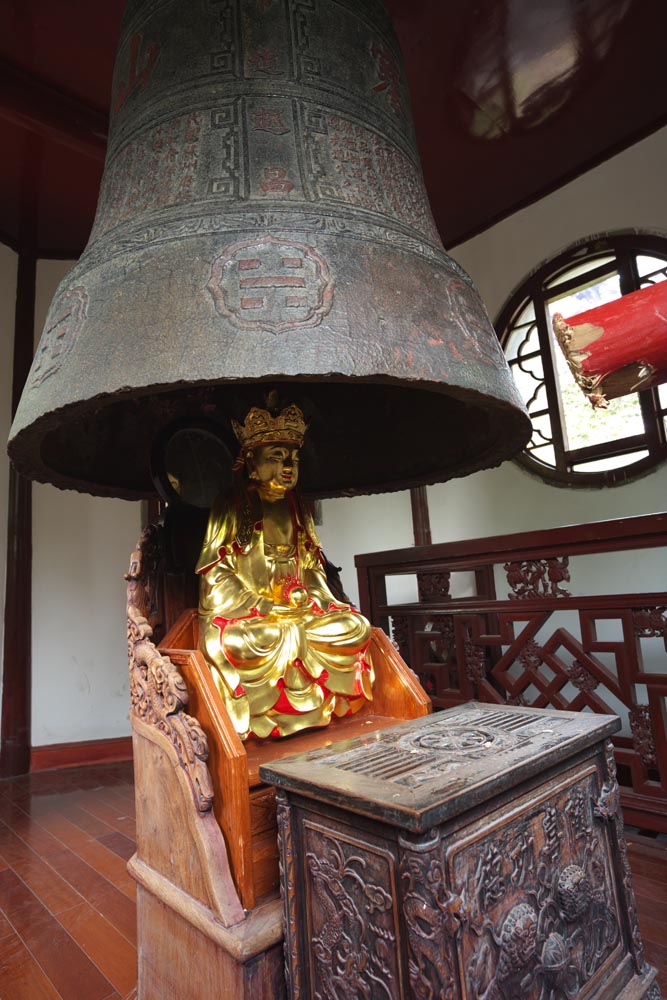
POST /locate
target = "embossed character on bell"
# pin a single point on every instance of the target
(286, 655)
(271, 285)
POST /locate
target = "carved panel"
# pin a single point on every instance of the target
(508, 888)
(608, 808)
(435, 658)
(542, 915)
(530, 655)
(642, 734)
(550, 664)
(158, 696)
(400, 630)
(650, 623)
(433, 587)
(581, 677)
(433, 917)
(293, 965)
(532, 578)
(475, 659)
(352, 920)
(468, 743)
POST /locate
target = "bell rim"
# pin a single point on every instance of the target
(512, 432)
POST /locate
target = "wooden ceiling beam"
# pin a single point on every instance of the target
(29, 102)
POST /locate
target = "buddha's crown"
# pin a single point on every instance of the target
(259, 427)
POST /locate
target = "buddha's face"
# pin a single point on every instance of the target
(275, 467)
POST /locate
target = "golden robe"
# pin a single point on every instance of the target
(278, 669)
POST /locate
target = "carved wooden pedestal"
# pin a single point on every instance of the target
(476, 854)
(209, 916)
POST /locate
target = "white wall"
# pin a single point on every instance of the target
(81, 548)
(626, 192)
(8, 266)
(364, 524)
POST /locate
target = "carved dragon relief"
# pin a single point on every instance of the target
(288, 897)
(158, 696)
(352, 925)
(608, 809)
(433, 916)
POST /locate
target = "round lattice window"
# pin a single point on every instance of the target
(573, 444)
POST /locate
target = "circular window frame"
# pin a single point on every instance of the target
(626, 247)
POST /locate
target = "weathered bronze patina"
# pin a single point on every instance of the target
(263, 217)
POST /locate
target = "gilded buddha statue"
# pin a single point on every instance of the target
(286, 655)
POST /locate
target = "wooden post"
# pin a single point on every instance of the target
(17, 661)
(617, 348)
(421, 524)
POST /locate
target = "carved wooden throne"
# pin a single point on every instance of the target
(206, 864)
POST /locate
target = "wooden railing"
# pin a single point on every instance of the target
(536, 642)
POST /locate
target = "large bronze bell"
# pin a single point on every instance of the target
(263, 223)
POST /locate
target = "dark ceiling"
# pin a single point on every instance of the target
(511, 99)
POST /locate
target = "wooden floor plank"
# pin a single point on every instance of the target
(121, 845)
(651, 888)
(21, 978)
(51, 890)
(118, 908)
(104, 861)
(105, 946)
(72, 836)
(114, 816)
(90, 824)
(648, 866)
(129, 889)
(653, 919)
(67, 836)
(38, 875)
(33, 834)
(98, 891)
(59, 826)
(122, 795)
(6, 928)
(68, 968)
